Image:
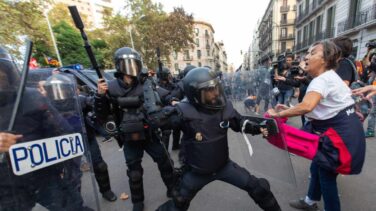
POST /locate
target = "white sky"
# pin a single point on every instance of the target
(233, 21)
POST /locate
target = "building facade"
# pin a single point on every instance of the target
(204, 52)
(356, 19)
(276, 30)
(315, 21)
(92, 9)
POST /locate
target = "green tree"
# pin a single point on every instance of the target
(20, 19)
(69, 42)
(151, 28)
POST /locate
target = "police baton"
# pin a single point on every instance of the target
(78, 22)
(20, 91)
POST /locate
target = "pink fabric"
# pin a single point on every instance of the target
(294, 140)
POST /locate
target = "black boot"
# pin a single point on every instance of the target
(103, 180)
(109, 196)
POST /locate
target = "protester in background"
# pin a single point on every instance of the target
(329, 106)
(346, 68)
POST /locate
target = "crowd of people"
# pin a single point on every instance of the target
(148, 106)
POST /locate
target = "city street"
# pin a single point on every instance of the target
(357, 193)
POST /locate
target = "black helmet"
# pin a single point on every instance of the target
(187, 69)
(128, 61)
(9, 77)
(61, 91)
(163, 74)
(200, 80)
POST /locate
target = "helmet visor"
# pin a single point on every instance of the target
(212, 95)
(130, 67)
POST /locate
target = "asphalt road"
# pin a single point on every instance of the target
(357, 193)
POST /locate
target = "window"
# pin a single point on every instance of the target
(284, 18)
(318, 25)
(300, 10)
(299, 39)
(197, 42)
(330, 22)
(283, 32)
(354, 12)
(199, 64)
(176, 67)
(311, 30)
(198, 54)
(283, 46)
(175, 54)
(186, 55)
(355, 48)
(197, 31)
(208, 52)
(206, 32)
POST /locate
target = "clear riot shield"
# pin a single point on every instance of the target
(260, 157)
(43, 168)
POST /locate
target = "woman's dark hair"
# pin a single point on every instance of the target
(331, 53)
(345, 45)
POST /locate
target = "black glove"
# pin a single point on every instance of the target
(251, 127)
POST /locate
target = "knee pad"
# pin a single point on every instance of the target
(101, 167)
(259, 190)
(181, 203)
(135, 175)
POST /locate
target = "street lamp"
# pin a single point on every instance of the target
(53, 37)
(130, 29)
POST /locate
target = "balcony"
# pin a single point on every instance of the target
(287, 22)
(285, 8)
(286, 37)
(309, 10)
(188, 58)
(363, 17)
(294, 8)
(308, 41)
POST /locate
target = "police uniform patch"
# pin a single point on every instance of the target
(198, 136)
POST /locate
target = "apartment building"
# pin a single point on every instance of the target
(277, 30)
(205, 51)
(92, 9)
(315, 21)
(356, 19)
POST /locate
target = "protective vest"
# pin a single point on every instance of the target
(205, 142)
(130, 120)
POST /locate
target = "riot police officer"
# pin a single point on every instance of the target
(165, 81)
(36, 120)
(204, 119)
(123, 97)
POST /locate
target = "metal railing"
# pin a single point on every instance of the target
(287, 21)
(286, 37)
(363, 17)
(308, 10)
(308, 41)
(285, 8)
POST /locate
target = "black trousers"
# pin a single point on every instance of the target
(232, 173)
